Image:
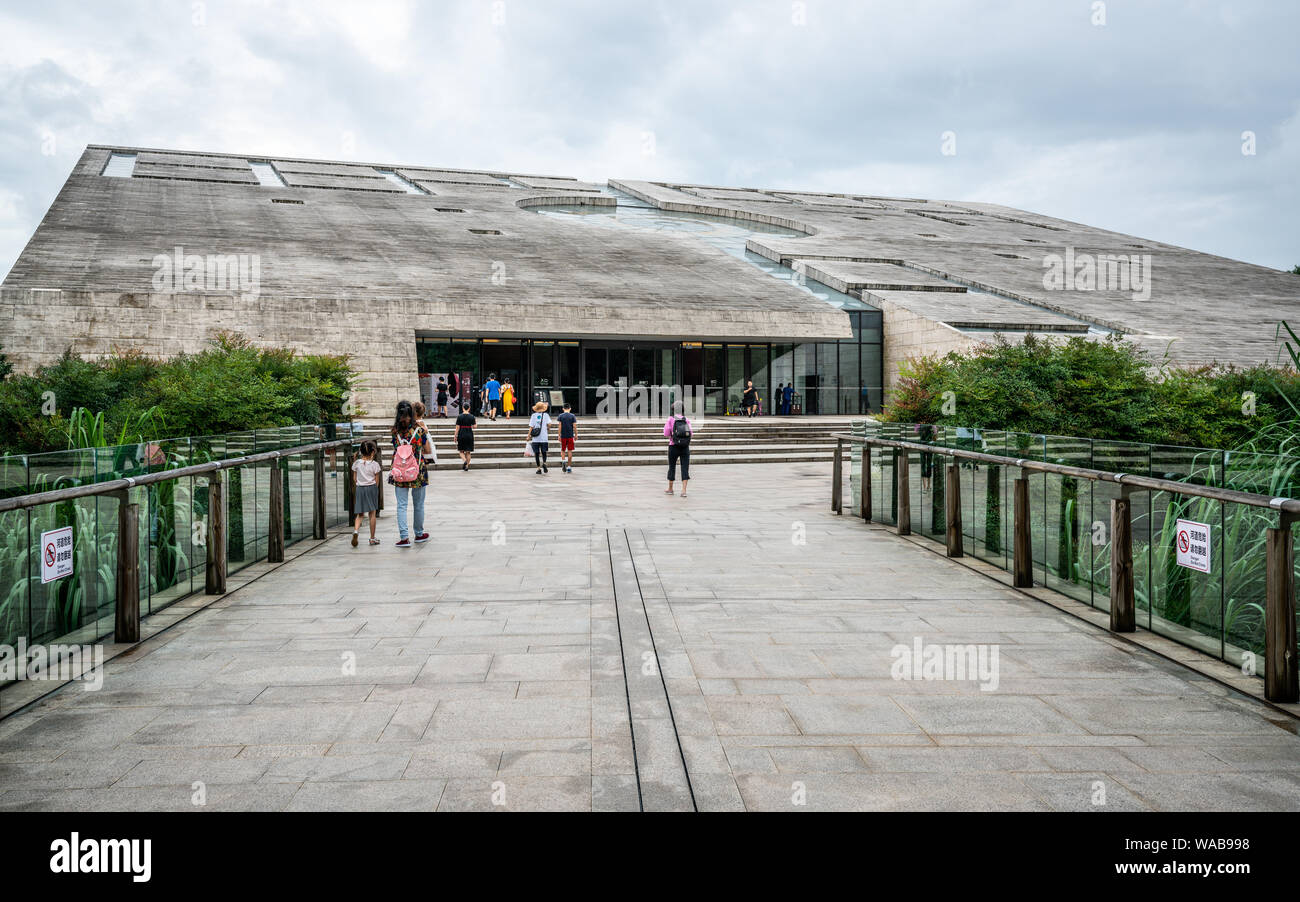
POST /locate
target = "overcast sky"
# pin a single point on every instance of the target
(1134, 125)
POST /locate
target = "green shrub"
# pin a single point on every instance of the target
(230, 386)
(1096, 389)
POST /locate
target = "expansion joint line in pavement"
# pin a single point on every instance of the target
(627, 692)
(658, 669)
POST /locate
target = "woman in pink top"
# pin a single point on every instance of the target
(678, 432)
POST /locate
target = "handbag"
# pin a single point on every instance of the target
(536, 430)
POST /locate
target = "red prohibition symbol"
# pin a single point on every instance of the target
(1182, 541)
(49, 555)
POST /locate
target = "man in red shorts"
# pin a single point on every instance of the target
(568, 431)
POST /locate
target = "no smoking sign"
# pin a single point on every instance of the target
(1192, 545)
(56, 554)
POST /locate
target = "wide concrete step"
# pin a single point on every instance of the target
(516, 450)
(658, 460)
(500, 444)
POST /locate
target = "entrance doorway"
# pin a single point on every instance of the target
(507, 359)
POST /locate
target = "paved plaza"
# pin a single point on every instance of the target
(585, 642)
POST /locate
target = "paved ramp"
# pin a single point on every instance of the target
(587, 642)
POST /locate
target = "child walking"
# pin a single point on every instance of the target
(366, 500)
(568, 433)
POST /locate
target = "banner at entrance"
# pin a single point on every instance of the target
(1192, 545)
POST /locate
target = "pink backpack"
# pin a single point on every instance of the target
(406, 462)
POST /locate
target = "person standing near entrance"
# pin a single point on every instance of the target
(508, 398)
(409, 474)
(440, 397)
(539, 429)
(788, 394)
(568, 433)
(678, 432)
(749, 401)
(464, 435)
(493, 391)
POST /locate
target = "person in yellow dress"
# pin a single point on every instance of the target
(508, 398)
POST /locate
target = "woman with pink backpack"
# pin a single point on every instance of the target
(409, 474)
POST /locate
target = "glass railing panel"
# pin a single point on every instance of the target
(15, 547)
(886, 496)
(1182, 603)
(171, 517)
(1067, 552)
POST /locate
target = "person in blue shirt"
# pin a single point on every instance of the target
(493, 389)
(788, 393)
(568, 434)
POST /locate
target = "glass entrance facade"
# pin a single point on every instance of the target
(838, 377)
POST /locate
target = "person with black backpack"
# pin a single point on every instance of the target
(678, 431)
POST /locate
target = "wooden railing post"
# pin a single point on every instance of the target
(1123, 613)
(952, 509)
(1023, 551)
(350, 486)
(837, 474)
(904, 494)
(1281, 674)
(215, 583)
(319, 509)
(864, 488)
(126, 626)
(275, 534)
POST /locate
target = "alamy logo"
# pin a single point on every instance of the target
(622, 400)
(103, 856)
(208, 272)
(53, 662)
(1102, 272)
(920, 661)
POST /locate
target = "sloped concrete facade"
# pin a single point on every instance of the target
(362, 258)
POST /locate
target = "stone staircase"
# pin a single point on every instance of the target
(605, 443)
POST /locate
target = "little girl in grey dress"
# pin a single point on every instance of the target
(366, 501)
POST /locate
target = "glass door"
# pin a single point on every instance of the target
(714, 380)
(595, 373)
(544, 379)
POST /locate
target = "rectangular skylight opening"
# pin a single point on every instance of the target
(267, 177)
(405, 184)
(120, 165)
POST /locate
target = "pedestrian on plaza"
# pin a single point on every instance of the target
(788, 396)
(750, 400)
(539, 428)
(430, 452)
(492, 391)
(508, 398)
(464, 435)
(366, 500)
(678, 431)
(568, 433)
(409, 474)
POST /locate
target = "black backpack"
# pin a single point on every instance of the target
(681, 431)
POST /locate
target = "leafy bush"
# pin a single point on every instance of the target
(128, 397)
(1096, 389)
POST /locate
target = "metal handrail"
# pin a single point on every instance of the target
(1286, 505)
(22, 502)
(127, 613)
(1281, 654)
